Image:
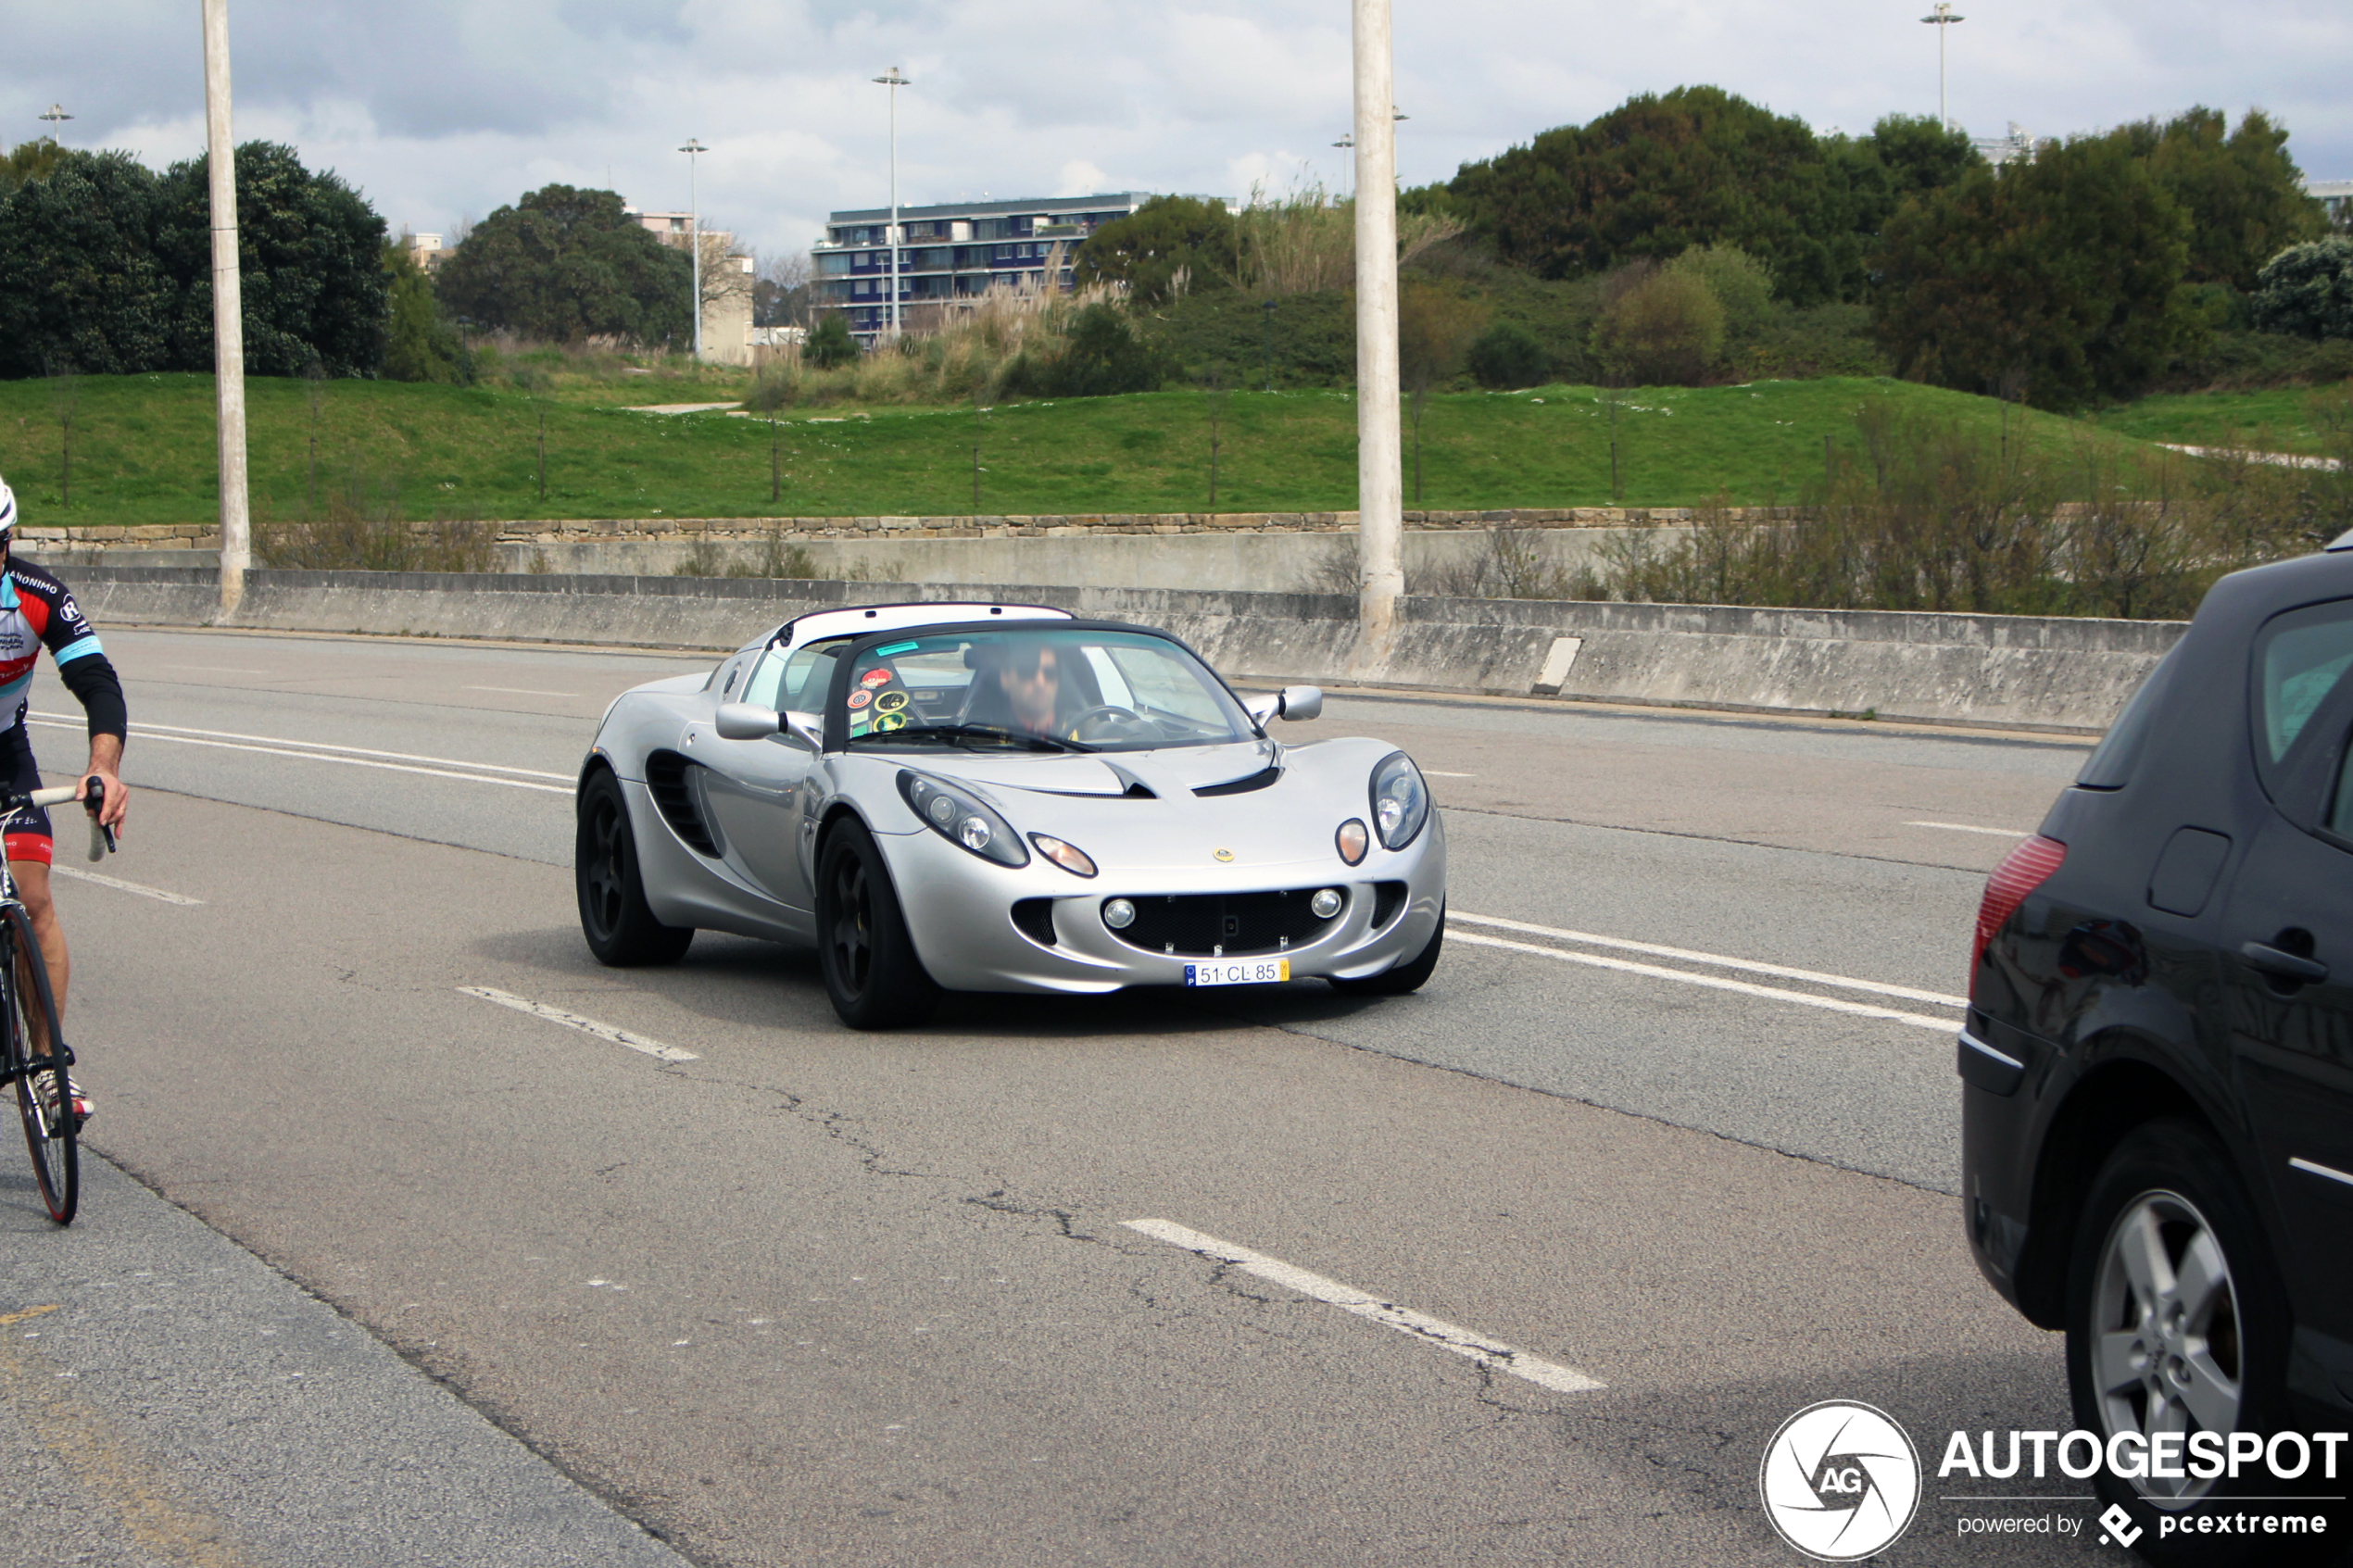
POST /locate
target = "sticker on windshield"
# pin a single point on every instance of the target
(861, 699)
(891, 702)
(888, 723)
(874, 678)
(897, 647)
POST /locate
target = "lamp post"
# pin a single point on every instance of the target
(894, 80)
(1941, 19)
(55, 116)
(694, 149)
(1347, 144)
(1380, 478)
(228, 309)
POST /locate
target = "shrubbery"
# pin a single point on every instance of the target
(2306, 291)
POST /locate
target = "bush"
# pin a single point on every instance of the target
(1741, 285)
(2306, 291)
(1104, 356)
(830, 347)
(1507, 356)
(418, 345)
(1666, 328)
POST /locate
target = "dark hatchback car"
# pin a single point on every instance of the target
(2157, 1064)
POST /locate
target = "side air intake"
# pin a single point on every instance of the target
(676, 796)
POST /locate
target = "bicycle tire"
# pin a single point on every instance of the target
(55, 1151)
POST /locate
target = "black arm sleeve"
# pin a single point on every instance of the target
(92, 680)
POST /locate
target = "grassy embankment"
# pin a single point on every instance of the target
(143, 450)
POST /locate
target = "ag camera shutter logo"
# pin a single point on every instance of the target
(1840, 1481)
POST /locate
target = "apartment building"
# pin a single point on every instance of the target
(951, 251)
(727, 278)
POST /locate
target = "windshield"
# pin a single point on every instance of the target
(1034, 689)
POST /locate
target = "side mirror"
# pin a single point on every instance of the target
(1303, 702)
(807, 728)
(743, 720)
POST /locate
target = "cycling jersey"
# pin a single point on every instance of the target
(37, 612)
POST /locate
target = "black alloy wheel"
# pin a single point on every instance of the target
(871, 972)
(1406, 975)
(621, 929)
(53, 1138)
(2177, 1321)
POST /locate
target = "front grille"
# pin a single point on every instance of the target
(674, 796)
(1199, 925)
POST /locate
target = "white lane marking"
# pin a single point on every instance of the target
(317, 757)
(573, 1020)
(216, 669)
(1965, 827)
(1713, 981)
(1716, 959)
(70, 719)
(120, 886)
(521, 691)
(1436, 773)
(1420, 1325)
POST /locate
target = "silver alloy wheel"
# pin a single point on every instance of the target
(2166, 1355)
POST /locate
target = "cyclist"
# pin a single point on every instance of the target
(37, 610)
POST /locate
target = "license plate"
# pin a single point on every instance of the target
(1240, 972)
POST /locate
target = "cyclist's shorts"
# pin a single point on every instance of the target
(26, 830)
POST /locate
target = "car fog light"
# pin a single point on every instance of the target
(1325, 903)
(973, 833)
(943, 806)
(1119, 914)
(1353, 839)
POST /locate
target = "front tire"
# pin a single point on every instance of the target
(1398, 979)
(55, 1142)
(619, 926)
(872, 970)
(2176, 1321)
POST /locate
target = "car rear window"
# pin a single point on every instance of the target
(2299, 659)
(2110, 764)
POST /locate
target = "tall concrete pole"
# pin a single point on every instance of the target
(694, 149)
(228, 310)
(894, 79)
(1380, 482)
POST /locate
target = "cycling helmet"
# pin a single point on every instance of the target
(8, 508)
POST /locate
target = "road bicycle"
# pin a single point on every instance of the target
(33, 1053)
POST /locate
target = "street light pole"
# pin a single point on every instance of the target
(1380, 482)
(56, 117)
(894, 80)
(228, 310)
(694, 149)
(1940, 19)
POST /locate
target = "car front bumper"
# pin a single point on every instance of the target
(960, 911)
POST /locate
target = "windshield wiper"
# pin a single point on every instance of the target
(953, 733)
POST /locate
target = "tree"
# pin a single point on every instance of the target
(830, 345)
(80, 282)
(1743, 289)
(1102, 357)
(1661, 173)
(781, 294)
(1152, 246)
(310, 255)
(1434, 327)
(31, 160)
(419, 344)
(563, 264)
(2244, 195)
(2064, 270)
(2307, 290)
(1665, 327)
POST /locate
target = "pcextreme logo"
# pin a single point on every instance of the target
(1841, 1481)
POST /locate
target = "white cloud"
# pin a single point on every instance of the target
(443, 108)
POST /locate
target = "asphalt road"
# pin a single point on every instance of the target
(1675, 1116)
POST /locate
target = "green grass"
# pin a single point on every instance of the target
(2273, 419)
(144, 450)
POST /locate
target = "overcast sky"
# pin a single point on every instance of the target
(439, 110)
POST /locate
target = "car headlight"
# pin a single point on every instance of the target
(961, 819)
(1401, 801)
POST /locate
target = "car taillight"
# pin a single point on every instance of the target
(2022, 871)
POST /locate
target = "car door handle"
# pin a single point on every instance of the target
(2282, 965)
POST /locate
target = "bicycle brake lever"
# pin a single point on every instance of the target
(101, 836)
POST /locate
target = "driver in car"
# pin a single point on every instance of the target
(1031, 679)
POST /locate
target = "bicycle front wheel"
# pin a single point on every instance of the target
(44, 1098)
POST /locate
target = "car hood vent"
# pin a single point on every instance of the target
(1243, 785)
(676, 796)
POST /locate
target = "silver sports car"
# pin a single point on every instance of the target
(1000, 797)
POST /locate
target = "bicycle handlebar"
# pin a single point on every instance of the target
(101, 837)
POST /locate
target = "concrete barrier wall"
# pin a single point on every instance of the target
(2066, 675)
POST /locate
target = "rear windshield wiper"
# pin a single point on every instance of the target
(953, 733)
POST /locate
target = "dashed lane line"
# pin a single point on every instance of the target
(1715, 961)
(522, 690)
(149, 734)
(141, 889)
(635, 1042)
(1712, 982)
(1348, 1298)
(1965, 827)
(160, 730)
